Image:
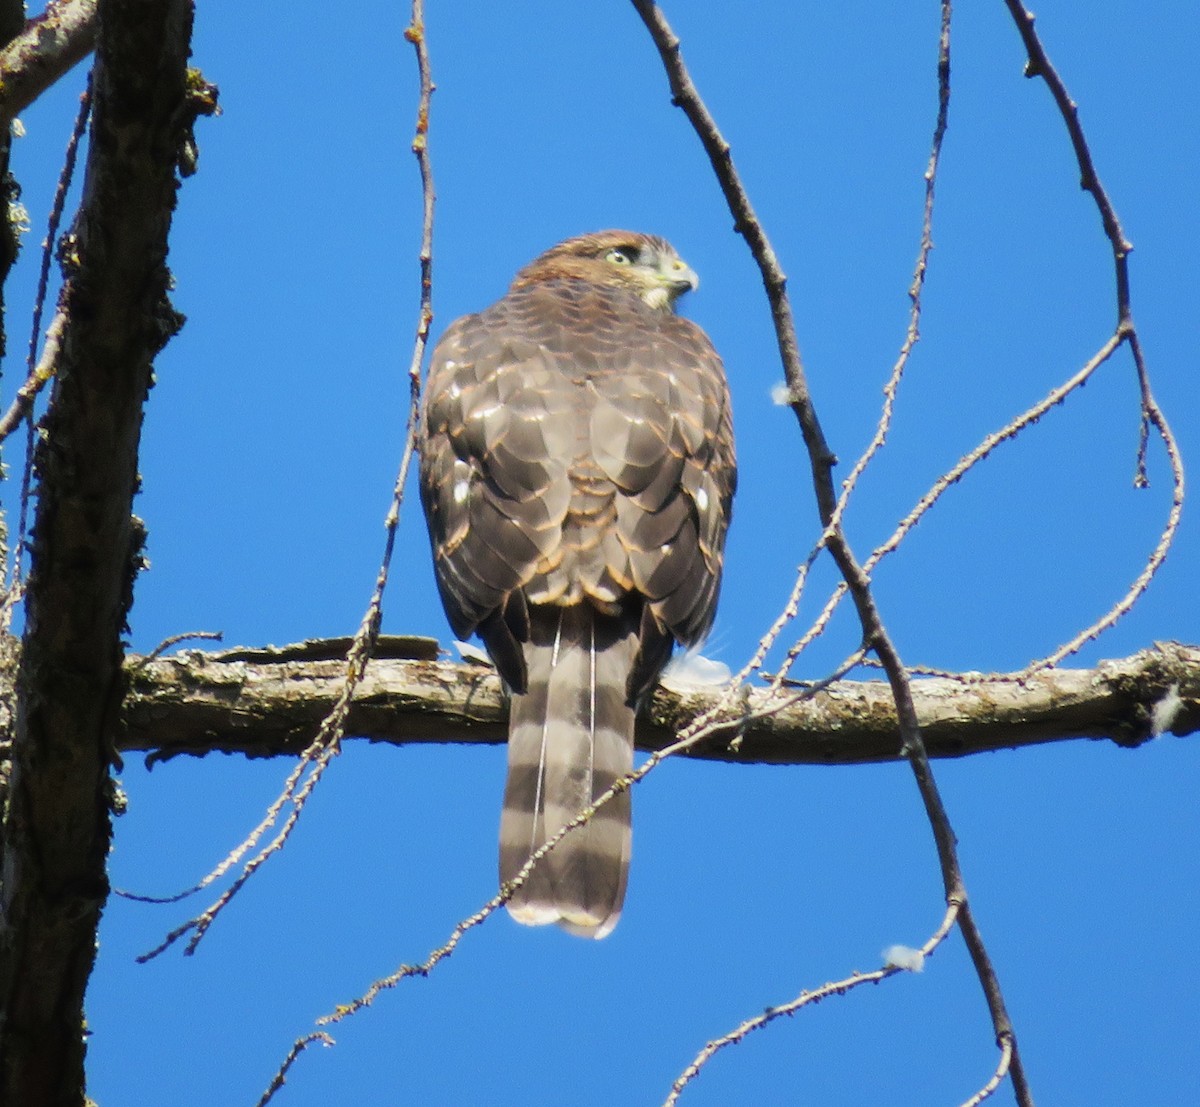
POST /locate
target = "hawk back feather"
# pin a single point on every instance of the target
(577, 475)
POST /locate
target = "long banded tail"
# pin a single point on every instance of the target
(570, 737)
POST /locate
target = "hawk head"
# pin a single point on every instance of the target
(646, 265)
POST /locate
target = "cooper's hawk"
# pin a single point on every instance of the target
(577, 474)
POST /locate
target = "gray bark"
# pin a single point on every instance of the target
(44, 49)
(263, 703)
(85, 547)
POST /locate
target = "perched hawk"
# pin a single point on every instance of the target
(577, 474)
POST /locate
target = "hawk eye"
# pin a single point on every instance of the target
(621, 255)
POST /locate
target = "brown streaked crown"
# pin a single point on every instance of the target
(645, 264)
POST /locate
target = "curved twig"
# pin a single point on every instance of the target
(804, 999)
(821, 460)
(40, 370)
(415, 34)
(327, 743)
(1039, 65)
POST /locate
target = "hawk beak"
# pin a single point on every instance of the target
(680, 277)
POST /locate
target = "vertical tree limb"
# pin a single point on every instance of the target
(85, 548)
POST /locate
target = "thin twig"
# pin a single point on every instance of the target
(779, 703)
(415, 34)
(298, 1047)
(1005, 434)
(40, 374)
(328, 741)
(1151, 414)
(173, 640)
(746, 223)
(345, 1010)
(41, 370)
(821, 460)
(1153, 563)
(1039, 65)
(913, 333)
(317, 757)
(709, 723)
(327, 744)
(804, 999)
(997, 1078)
(964, 465)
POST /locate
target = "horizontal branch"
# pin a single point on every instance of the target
(264, 703)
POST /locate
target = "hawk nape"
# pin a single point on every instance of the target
(577, 475)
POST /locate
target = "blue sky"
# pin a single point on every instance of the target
(272, 439)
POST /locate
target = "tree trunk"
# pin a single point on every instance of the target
(85, 547)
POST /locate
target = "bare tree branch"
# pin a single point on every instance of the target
(821, 461)
(265, 703)
(1039, 65)
(41, 369)
(326, 744)
(806, 998)
(86, 548)
(48, 46)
